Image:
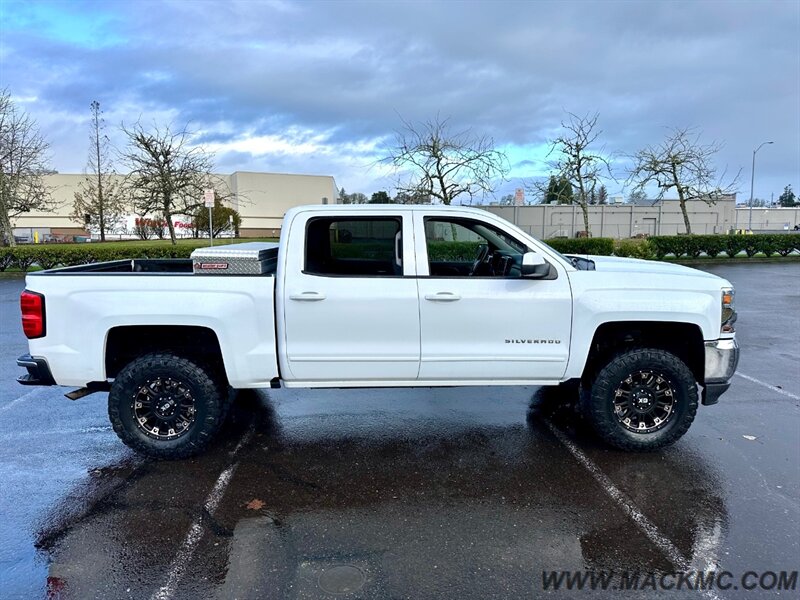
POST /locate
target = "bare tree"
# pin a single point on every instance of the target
(99, 200)
(142, 229)
(167, 174)
(578, 162)
(432, 161)
(23, 163)
(684, 164)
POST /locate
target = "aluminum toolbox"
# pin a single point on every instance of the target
(250, 258)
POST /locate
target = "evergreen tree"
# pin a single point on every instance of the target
(787, 198)
(551, 194)
(602, 195)
(380, 197)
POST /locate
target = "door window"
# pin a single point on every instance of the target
(355, 247)
(464, 248)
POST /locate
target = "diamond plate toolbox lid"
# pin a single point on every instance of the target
(249, 258)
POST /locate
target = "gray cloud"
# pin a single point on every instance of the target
(348, 69)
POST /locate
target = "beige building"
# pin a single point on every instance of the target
(654, 218)
(260, 198)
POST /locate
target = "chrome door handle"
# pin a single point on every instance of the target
(308, 297)
(443, 297)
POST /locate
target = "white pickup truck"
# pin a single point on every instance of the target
(381, 296)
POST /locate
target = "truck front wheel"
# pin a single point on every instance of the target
(165, 406)
(642, 400)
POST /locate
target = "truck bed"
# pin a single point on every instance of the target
(170, 266)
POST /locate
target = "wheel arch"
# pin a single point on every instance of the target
(684, 340)
(127, 342)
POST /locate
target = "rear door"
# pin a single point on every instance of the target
(486, 321)
(349, 301)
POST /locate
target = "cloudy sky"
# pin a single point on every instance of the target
(319, 87)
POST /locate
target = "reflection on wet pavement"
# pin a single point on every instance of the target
(441, 506)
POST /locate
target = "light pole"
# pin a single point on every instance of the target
(752, 180)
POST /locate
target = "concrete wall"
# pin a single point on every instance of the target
(768, 219)
(628, 220)
(260, 198)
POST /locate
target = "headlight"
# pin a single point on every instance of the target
(728, 311)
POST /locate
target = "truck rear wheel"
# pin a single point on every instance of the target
(642, 400)
(166, 406)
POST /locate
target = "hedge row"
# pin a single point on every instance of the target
(599, 246)
(713, 245)
(51, 256)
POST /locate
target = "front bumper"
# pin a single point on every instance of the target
(38, 371)
(722, 357)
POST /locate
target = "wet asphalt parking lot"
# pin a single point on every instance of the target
(427, 493)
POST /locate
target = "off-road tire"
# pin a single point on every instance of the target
(599, 402)
(210, 401)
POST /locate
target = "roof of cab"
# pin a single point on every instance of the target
(339, 208)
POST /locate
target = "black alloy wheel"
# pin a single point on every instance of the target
(167, 406)
(642, 399)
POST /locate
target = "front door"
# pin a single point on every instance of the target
(350, 300)
(479, 318)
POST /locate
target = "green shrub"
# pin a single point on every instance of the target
(24, 257)
(664, 245)
(695, 245)
(639, 248)
(786, 244)
(597, 246)
(452, 251)
(734, 244)
(713, 245)
(751, 245)
(362, 250)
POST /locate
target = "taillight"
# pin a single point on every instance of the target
(32, 305)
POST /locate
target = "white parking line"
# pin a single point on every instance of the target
(649, 528)
(768, 386)
(22, 398)
(184, 555)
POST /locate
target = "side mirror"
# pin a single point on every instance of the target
(534, 265)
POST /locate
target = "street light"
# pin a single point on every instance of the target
(752, 179)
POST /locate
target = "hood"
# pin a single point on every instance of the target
(638, 265)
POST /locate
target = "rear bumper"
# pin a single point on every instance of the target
(722, 357)
(38, 371)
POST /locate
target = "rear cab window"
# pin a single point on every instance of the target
(340, 246)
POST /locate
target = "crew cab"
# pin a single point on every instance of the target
(381, 296)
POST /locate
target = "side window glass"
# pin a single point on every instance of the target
(466, 248)
(369, 246)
